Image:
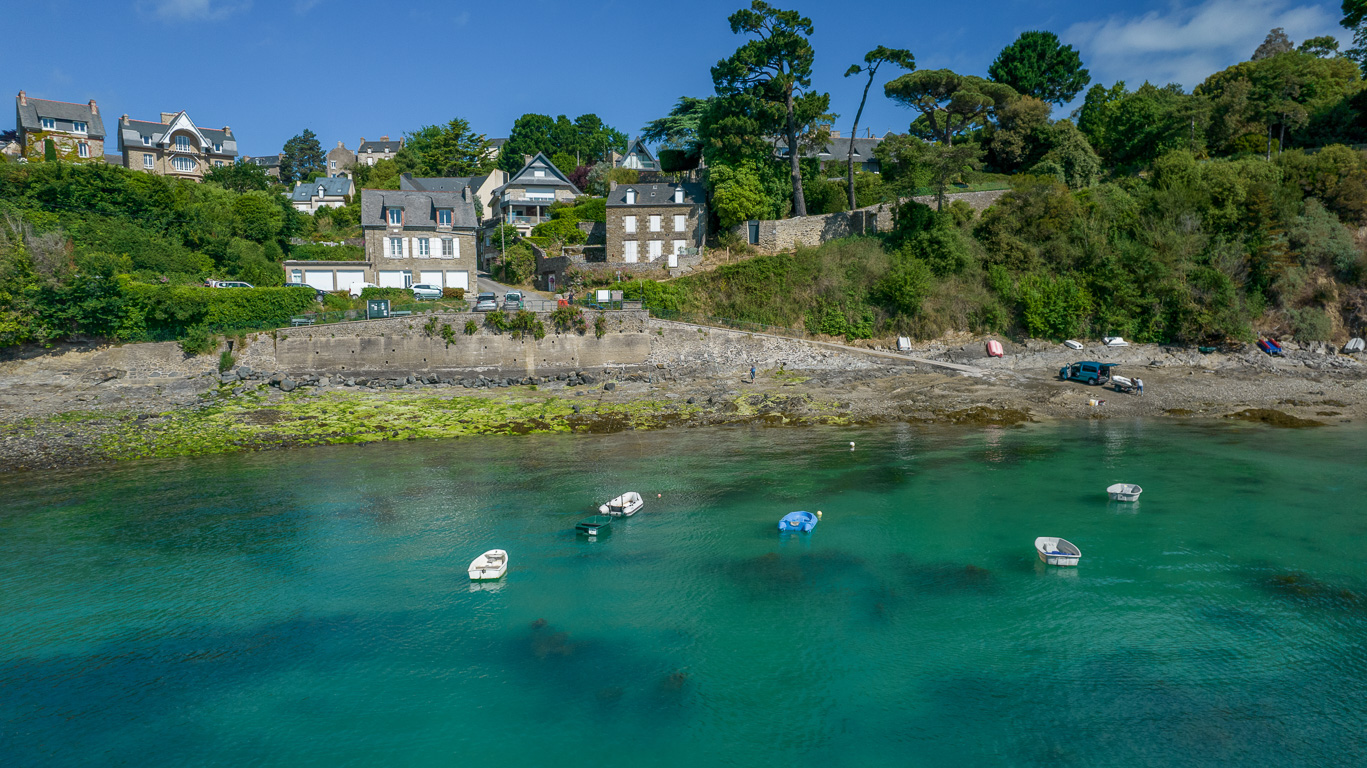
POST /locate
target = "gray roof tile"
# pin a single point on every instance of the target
(420, 208)
(333, 186)
(655, 194)
(31, 114)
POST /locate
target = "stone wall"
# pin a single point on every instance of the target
(785, 234)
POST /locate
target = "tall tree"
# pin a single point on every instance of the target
(1355, 19)
(301, 156)
(949, 103)
(445, 150)
(587, 137)
(772, 73)
(1038, 65)
(899, 57)
(1276, 42)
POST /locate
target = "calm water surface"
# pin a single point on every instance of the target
(311, 607)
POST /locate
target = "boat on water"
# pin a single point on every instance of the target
(1072, 344)
(489, 566)
(625, 505)
(1124, 492)
(799, 522)
(1055, 551)
(598, 525)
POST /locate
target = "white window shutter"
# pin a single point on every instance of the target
(455, 244)
(409, 250)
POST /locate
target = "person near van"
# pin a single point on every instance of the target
(1139, 383)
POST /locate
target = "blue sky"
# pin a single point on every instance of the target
(345, 69)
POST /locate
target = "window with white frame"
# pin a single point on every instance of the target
(395, 247)
(183, 143)
(396, 216)
(679, 247)
(444, 217)
(185, 164)
(448, 248)
(218, 163)
(631, 197)
(630, 255)
(680, 221)
(218, 147)
(539, 174)
(424, 247)
(146, 161)
(630, 223)
(678, 195)
(83, 149)
(370, 161)
(146, 140)
(78, 127)
(655, 222)
(49, 124)
(656, 249)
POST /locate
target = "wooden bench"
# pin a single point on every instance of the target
(298, 321)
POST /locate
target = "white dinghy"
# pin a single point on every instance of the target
(1115, 341)
(489, 566)
(1124, 492)
(1071, 344)
(1055, 551)
(625, 505)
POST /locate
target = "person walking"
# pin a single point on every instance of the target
(752, 373)
(1140, 384)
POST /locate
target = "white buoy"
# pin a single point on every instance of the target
(818, 514)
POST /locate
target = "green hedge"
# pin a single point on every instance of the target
(393, 294)
(171, 309)
(316, 252)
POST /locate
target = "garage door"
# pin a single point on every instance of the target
(319, 278)
(393, 278)
(458, 280)
(345, 277)
(431, 278)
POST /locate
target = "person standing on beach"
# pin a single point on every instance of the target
(752, 373)
(1140, 384)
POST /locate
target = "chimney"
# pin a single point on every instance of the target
(167, 117)
(23, 99)
(612, 186)
(362, 139)
(465, 193)
(340, 146)
(124, 119)
(526, 159)
(835, 134)
(94, 110)
(384, 138)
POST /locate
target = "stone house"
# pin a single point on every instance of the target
(371, 152)
(175, 146)
(327, 192)
(482, 187)
(340, 161)
(414, 236)
(525, 199)
(269, 162)
(650, 222)
(75, 131)
(638, 157)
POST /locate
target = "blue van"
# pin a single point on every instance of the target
(1087, 372)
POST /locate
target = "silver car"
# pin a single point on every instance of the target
(426, 291)
(512, 300)
(486, 302)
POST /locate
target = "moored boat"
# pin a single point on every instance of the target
(1116, 341)
(1055, 551)
(1124, 492)
(489, 566)
(598, 525)
(1071, 344)
(625, 505)
(799, 522)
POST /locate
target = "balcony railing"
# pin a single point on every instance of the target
(532, 220)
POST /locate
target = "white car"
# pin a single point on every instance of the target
(426, 291)
(231, 284)
(356, 289)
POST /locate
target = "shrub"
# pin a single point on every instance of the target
(457, 294)
(225, 360)
(318, 252)
(197, 340)
(496, 320)
(600, 327)
(393, 294)
(177, 308)
(564, 318)
(1311, 324)
(471, 328)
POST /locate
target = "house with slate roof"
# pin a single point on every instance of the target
(325, 192)
(838, 149)
(420, 236)
(371, 152)
(638, 157)
(74, 131)
(654, 222)
(482, 187)
(340, 160)
(175, 146)
(525, 200)
(269, 162)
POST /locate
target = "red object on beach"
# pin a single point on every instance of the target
(994, 349)
(561, 303)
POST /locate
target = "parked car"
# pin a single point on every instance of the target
(426, 291)
(232, 284)
(486, 302)
(356, 289)
(318, 293)
(512, 300)
(1088, 372)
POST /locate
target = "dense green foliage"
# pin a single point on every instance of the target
(587, 138)
(302, 159)
(1038, 65)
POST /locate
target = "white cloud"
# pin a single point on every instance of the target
(1188, 43)
(192, 10)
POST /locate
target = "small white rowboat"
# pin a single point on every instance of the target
(1124, 492)
(1056, 551)
(1072, 344)
(489, 566)
(625, 505)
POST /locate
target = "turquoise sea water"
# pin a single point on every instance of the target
(311, 607)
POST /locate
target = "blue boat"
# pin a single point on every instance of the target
(799, 522)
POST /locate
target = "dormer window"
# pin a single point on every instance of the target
(539, 174)
(631, 197)
(396, 216)
(320, 190)
(218, 147)
(444, 217)
(49, 124)
(678, 195)
(78, 127)
(146, 140)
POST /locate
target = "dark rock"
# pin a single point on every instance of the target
(587, 379)
(576, 409)
(692, 400)
(609, 386)
(287, 385)
(277, 378)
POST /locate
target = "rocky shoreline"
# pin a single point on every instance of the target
(64, 418)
